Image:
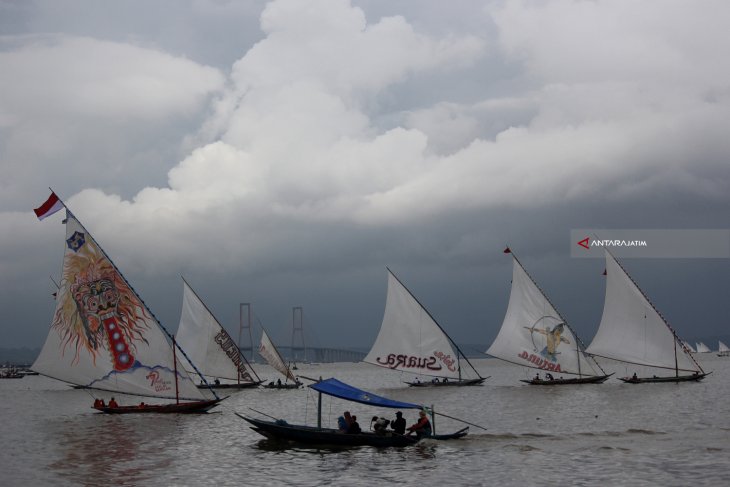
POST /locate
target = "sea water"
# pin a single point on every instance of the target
(605, 434)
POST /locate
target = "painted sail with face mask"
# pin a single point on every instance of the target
(535, 335)
(103, 336)
(410, 340)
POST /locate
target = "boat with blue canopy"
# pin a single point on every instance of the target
(280, 429)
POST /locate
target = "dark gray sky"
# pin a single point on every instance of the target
(284, 153)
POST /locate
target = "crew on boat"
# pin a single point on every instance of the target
(344, 422)
(379, 425)
(422, 427)
(399, 424)
(354, 427)
(113, 403)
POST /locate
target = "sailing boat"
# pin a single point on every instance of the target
(688, 346)
(104, 337)
(210, 346)
(633, 331)
(318, 435)
(272, 356)
(534, 334)
(410, 340)
(702, 348)
(723, 350)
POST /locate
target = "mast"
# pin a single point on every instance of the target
(458, 350)
(174, 361)
(136, 294)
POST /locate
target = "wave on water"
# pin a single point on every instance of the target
(630, 431)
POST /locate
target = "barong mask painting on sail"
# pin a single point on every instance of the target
(534, 334)
(102, 335)
(410, 340)
(633, 331)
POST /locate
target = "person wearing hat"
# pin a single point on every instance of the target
(422, 427)
(398, 424)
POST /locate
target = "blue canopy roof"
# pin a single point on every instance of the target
(334, 387)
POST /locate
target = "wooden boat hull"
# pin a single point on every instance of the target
(282, 386)
(243, 385)
(282, 431)
(195, 407)
(451, 383)
(648, 380)
(598, 379)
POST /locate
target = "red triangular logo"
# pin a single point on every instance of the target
(507, 250)
(585, 243)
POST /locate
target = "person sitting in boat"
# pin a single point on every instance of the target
(398, 424)
(549, 376)
(354, 427)
(379, 425)
(113, 403)
(634, 376)
(142, 405)
(537, 376)
(422, 427)
(98, 403)
(344, 422)
(278, 382)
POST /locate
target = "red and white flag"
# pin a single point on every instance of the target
(51, 206)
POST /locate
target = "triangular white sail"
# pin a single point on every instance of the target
(208, 344)
(272, 356)
(702, 348)
(722, 347)
(632, 331)
(688, 346)
(410, 340)
(102, 335)
(534, 334)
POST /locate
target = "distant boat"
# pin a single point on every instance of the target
(210, 347)
(633, 331)
(534, 334)
(272, 356)
(702, 348)
(723, 350)
(317, 435)
(688, 346)
(11, 373)
(103, 337)
(410, 340)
